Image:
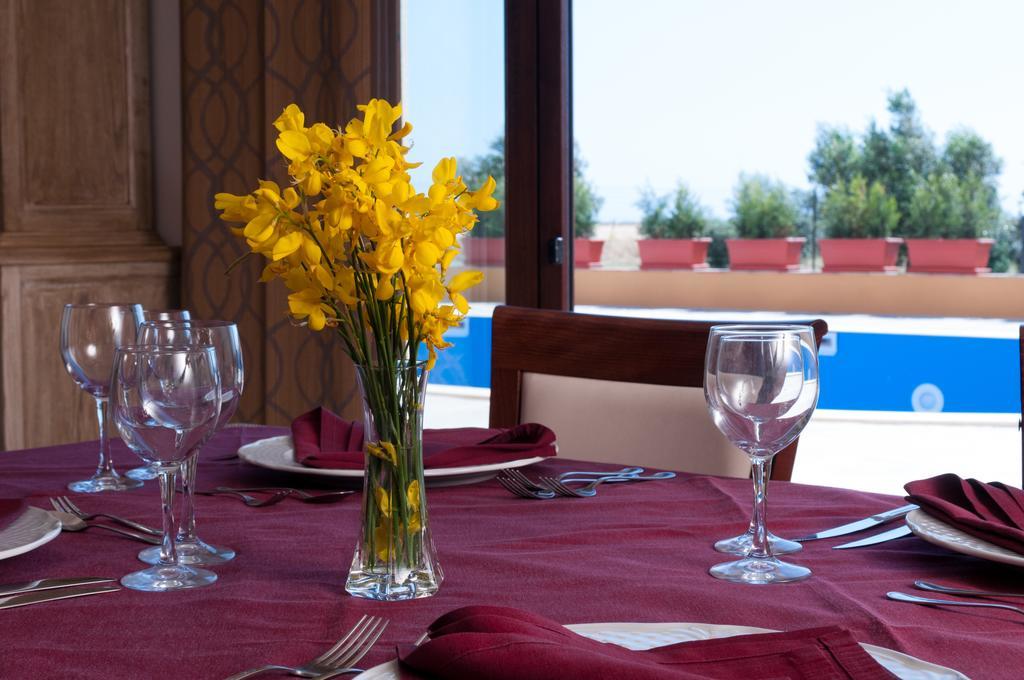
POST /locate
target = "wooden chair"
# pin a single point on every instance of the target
(615, 389)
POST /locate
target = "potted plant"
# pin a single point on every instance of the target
(673, 235)
(947, 223)
(586, 205)
(859, 220)
(764, 217)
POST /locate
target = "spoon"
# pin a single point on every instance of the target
(968, 592)
(69, 522)
(914, 599)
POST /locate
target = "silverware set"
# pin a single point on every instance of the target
(550, 487)
(275, 495)
(866, 523)
(338, 660)
(948, 590)
(72, 518)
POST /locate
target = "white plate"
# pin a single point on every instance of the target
(650, 635)
(941, 534)
(34, 528)
(277, 453)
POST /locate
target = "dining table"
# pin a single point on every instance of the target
(635, 552)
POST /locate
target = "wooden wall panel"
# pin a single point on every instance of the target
(42, 405)
(242, 63)
(76, 222)
(75, 120)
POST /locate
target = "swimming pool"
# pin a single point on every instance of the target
(868, 363)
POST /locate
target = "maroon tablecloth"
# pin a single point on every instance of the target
(634, 553)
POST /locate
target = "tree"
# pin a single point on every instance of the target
(835, 157)
(474, 172)
(900, 157)
(587, 202)
(967, 154)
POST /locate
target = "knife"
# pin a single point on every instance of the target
(48, 584)
(860, 525)
(49, 595)
(898, 532)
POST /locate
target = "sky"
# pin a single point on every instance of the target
(699, 91)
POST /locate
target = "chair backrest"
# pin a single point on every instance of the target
(615, 389)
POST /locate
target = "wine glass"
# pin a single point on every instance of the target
(166, 400)
(742, 544)
(766, 384)
(223, 337)
(147, 472)
(89, 336)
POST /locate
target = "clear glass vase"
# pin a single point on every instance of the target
(395, 557)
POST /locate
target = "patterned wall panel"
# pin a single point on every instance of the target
(242, 63)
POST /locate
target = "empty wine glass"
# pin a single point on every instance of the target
(166, 400)
(147, 472)
(742, 544)
(89, 336)
(766, 384)
(223, 337)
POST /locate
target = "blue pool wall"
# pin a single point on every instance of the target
(859, 371)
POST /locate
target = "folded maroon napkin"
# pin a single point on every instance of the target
(501, 643)
(10, 510)
(992, 512)
(323, 440)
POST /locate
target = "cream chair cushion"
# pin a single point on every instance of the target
(656, 426)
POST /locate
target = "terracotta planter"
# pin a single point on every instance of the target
(674, 253)
(860, 254)
(485, 251)
(586, 252)
(948, 256)
(771, 254)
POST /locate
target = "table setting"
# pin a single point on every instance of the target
(381, 549)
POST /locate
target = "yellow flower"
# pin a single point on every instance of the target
(294, 145)
(481, 199)
(383, 540)
(383, 501)
(383, 450)
(412, 495)
(358, 248)
(387, 258)
(291, 118)
(306, 304)
(459, 283)
(236, 208)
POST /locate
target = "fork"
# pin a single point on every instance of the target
(967, 592)
(339, 658)
(251, 501)
(65, 504)
(519, 489)
(914, 599)
(589, 490)
(298, 494)
(69, 522)
(530, 484)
